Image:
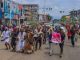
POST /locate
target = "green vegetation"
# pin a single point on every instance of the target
(63, 19)
(49, 17)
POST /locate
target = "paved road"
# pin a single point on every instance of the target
(70, 53)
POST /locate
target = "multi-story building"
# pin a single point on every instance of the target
(31, 11)
(5, 7)
(44, 18)
(75, 13)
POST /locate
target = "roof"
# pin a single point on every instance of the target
(30, 5)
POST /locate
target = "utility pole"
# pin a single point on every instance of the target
(10, 15)
(44, 7)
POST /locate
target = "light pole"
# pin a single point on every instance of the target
(10, 14)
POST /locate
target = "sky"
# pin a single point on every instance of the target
(56, 5)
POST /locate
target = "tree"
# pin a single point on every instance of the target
(33, 23)
(63, 19)
(49, 17)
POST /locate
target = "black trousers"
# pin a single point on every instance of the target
(61, 45)
(38, 42)
(72, 40)
(44, 40)
(13, 44)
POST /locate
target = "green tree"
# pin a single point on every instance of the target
(33, 23)
(63, 19)
(49, 17)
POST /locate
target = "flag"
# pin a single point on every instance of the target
(20, 7)
(17, 10)
(0, 13)
(11, 14)
(6, 7)
(56, 37)
(9, 11)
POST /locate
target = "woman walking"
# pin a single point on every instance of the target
(6, 38)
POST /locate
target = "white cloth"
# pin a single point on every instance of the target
(64, 29)
(20, 42)
(36, 33)
(6, 36)
(21, 36)
(7, 40)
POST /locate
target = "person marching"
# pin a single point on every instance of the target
(58, 37)
(50, 36)
(72, 30)
(14, 37)
(29, 42)
(68, 27)
(61, 45)
(36, 35)
(6, 38)
(39, 40)
(20, 42)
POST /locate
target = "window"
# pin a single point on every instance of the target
(1, 5)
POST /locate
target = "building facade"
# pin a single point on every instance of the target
(31, 11)
(1, 11)
(75, 13)
(1, 4)
(44, 18)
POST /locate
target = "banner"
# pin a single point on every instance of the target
(20, 7)
(56, 37)
(6, 6)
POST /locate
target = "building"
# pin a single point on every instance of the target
(1, 11)
(75, 13)
(5, 7)
(44, 18)
(1, 4)
(31, 11)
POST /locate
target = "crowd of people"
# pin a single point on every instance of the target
(25, 39)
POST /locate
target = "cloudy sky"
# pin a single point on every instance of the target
(56, 5)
